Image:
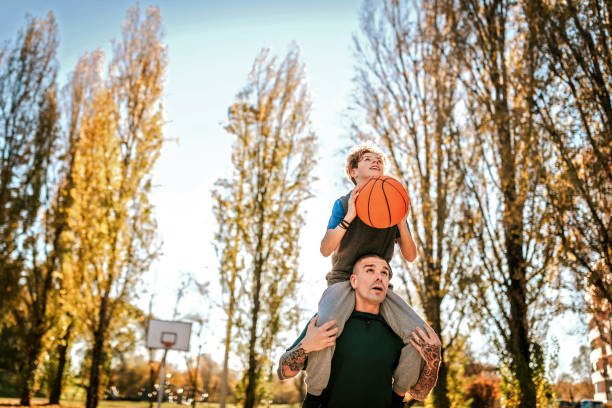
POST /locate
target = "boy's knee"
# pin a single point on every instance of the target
(337, 300)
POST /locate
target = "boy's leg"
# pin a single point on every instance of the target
(403, 320)
(337, 303)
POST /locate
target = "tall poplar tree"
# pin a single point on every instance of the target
(79, 93)
(576, 113)
(27, 88)
(504, 158)
(406, 100)
(29, 136)
(258, 209)
(111, 217)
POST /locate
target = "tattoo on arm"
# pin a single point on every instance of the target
(429, 376)
(294, 359)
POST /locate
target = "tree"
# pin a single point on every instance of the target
(29, 117)
(228, 240)
(111, 217)
(505, 161)
(483, 392)
(27, 88)
(202, 320)
(575, 110)
(79, 94)
(568, 389)
(406, 97)
(258, 209)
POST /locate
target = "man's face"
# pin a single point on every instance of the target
(370, 279)
(370, 165)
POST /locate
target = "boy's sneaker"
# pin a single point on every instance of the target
(312, 401)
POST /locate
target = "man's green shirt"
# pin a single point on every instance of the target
(366, 355)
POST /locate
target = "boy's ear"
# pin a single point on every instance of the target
(353, 172)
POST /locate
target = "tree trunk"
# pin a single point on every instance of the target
(519, 340)
(97, 360)
(432, 313)
(55, 391)
(32, 347)
(512, 222)
(152, 376)
(228, 337)
(249, 401)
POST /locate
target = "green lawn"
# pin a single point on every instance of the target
(125, 404)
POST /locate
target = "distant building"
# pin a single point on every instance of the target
(600, 338)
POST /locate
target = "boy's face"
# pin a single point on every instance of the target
(370, 165)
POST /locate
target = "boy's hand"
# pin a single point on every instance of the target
(318, 338)
(351, 211)
(405, 217)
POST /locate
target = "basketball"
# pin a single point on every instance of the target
(382, 202)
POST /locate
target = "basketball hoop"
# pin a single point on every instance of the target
(168, 339)
(168, 335)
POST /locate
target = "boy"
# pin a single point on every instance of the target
(346, 239)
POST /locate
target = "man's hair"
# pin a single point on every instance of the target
(370, 255)
(357, 152)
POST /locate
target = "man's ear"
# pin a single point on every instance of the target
(352, 280)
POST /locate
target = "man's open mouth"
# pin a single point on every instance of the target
(377, 288)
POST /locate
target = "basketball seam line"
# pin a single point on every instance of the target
(382, 187)
(369, 197)
(401, 195)
(362, 189)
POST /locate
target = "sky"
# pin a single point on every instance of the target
(211, 47)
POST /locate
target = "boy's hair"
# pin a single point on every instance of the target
(357, 152)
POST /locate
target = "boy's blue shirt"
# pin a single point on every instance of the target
(338, 214)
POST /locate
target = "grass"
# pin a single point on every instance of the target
(36, 402)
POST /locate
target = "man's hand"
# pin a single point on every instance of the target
(427, 343)
(316, 338)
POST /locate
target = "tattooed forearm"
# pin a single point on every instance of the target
(426, 382)
(292, 362)
(429, 375)
(431, 355)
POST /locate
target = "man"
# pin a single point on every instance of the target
(367, 352)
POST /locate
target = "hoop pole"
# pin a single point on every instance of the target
(162, 378)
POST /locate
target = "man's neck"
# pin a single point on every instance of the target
(366, 307)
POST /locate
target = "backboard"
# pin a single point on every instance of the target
(168, 334)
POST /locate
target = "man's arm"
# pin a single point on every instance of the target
(292, 362)
(316, 338)
(429, 346)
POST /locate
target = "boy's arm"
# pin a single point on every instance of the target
(405, 241)
(316, 338)
(332, 238)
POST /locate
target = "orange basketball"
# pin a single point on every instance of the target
(382, 202)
